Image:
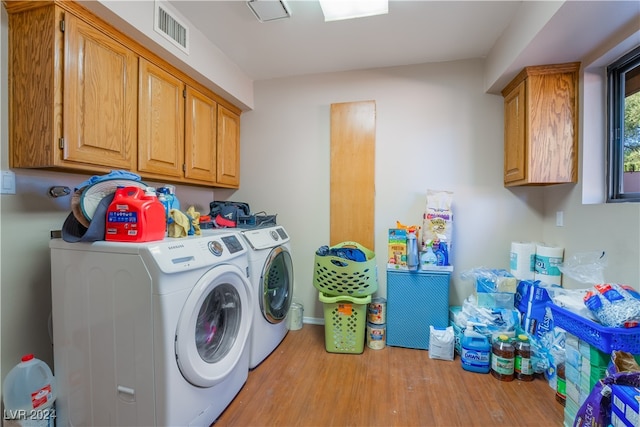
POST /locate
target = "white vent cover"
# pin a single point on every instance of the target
(167, 23)
(269, 10)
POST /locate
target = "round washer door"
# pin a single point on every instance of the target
(276, 285)
(214, 325)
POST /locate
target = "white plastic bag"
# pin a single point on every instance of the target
(441, 343)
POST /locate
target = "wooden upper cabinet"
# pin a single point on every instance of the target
(160, 122)
(541, 126)
(200, 137)
(83, 97)
(73, 94)
(228, 165)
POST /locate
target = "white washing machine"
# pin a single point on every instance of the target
(150, 334)
(271, 273)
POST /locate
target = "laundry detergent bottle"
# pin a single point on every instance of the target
(135, 215)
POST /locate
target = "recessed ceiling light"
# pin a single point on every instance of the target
(336, 10)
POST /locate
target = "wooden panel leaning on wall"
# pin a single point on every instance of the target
(353, 138)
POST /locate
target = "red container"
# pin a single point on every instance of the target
(135, 216)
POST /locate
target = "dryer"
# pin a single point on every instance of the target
(150, 333)
(271, 275)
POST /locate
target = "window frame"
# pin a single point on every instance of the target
(616, 72)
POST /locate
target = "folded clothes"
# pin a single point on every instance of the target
(352, 254)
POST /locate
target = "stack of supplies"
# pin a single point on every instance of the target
(492, 288)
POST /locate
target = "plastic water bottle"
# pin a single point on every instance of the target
(476, 351)
(174, 203)
(412, 252)
(29, 392)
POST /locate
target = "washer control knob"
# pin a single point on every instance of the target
(215, 248)
(274, 235)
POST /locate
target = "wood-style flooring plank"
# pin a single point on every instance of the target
(301, 384)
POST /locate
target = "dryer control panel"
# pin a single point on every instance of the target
(176, 255)
(265, 238)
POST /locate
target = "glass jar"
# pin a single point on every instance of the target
(502, 358)
(522, 363)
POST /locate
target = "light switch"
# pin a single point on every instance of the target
(560, 219)
(8, 183)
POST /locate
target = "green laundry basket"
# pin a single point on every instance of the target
(334, 275)
(344, 322)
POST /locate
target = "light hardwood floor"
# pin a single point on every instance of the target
(301, 384)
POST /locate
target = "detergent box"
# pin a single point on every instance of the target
(624, 405)
(397, 258)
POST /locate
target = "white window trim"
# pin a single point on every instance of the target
(593, 116)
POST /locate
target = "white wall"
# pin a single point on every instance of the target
(435, 128)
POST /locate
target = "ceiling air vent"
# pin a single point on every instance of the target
(170, 27)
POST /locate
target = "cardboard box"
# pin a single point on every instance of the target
(624, 405)
(397, 243)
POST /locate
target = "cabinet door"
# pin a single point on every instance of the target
(200, 137)
(515, 143)
(99, 111)
(160, 123)
(552, 133)
(35, 86)
(228, 148)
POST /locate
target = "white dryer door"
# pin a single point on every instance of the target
(214, 326)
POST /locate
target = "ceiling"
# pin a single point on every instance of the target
(413, 32)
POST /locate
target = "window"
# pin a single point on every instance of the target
(624, 128)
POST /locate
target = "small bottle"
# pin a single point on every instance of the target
(428, 258)
(162, 197)
(171, 192)
(522, 363)
(502, 358)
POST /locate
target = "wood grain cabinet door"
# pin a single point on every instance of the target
(100, 98)
(200, 137)
(515, 143)
(160, 123)
(541, 126)
(228, 148)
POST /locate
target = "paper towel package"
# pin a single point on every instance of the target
(522, 260)
(547, 260)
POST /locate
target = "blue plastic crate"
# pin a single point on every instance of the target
(601, 337)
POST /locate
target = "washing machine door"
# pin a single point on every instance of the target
(276, 285)
(214, 325)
